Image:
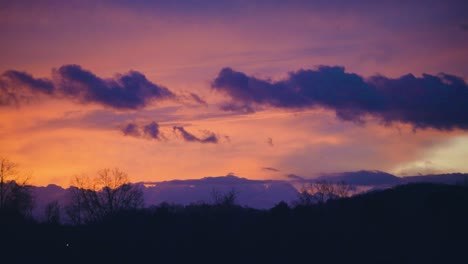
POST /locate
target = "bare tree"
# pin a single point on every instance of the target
(325, 190)
(109, 192)
(304, 198)
(15, 193)
(321, 191)
(343, 189)
(226, 199)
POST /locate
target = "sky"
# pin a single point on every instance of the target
(261, 89)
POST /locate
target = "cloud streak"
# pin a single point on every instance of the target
(210, 138)
(270, 169)
(129, 91)
(197, 99)
(424, 102)
(294, 177)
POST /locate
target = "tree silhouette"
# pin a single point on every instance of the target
(304, 198)
(321, 191)
(52, 213)
(15, 194)
(228, 199)
(109, 192)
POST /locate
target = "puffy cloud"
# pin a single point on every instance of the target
(152, 130)
(131, 129)
(127, 91)
(210, 138)
(149, 131)
(424, 102)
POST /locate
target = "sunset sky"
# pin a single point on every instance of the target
(261, 89)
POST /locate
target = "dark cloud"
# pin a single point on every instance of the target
(152, 130)
(26, 80)
(425, 102)
(149, 131)
(125, 91)
(128, 91)
(270, 169)
(131, 129)
(210, 138)
(17, 87)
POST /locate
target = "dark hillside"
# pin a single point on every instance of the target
(414, 223)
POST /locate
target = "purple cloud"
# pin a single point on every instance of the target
(125, 91)
(129, 91)
(16, 87)
(152, 130)
(211, 138)
(131, 129)
(149, 131)
(425, 102)
(28, 81)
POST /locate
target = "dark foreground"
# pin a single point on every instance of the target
(416, 223)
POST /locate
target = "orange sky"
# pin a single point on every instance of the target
(183, 47)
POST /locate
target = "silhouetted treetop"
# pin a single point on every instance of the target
(107, 193)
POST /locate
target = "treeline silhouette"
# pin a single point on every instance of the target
(414, 223)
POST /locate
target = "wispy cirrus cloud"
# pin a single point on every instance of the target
(424, 102)
(197, 99)
(187, 136)
(270, 169)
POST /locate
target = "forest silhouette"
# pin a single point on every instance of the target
(411, 223)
